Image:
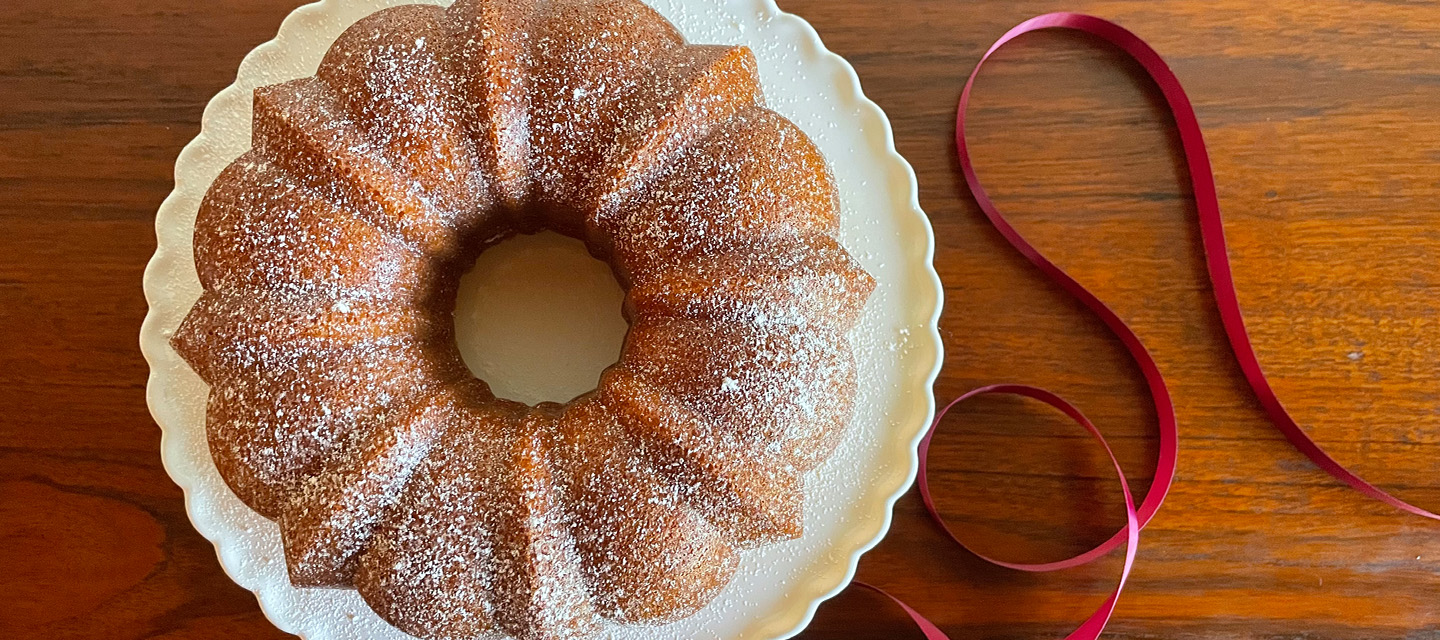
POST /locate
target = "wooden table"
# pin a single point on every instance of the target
(1322, 118)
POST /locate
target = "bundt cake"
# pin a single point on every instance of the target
(329, 256)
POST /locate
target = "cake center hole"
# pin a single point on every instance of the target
(538, 318)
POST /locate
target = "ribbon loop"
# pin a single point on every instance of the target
(1128, 535)
(1095, 624)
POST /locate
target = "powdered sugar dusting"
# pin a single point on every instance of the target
(455, 515)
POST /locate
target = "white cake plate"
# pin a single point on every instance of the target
(848, 508)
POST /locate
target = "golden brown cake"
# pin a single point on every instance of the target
(330, 253)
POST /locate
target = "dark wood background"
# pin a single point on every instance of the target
(1324, 120)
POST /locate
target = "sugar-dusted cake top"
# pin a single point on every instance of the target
(329, 256)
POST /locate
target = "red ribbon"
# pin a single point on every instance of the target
(1217, 261)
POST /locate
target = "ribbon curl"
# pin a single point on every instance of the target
(1217, 262)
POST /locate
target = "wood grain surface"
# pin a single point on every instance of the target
(1322, 119)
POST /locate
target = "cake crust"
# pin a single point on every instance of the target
(329, 255)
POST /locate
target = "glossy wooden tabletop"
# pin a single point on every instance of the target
(1323, 118)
